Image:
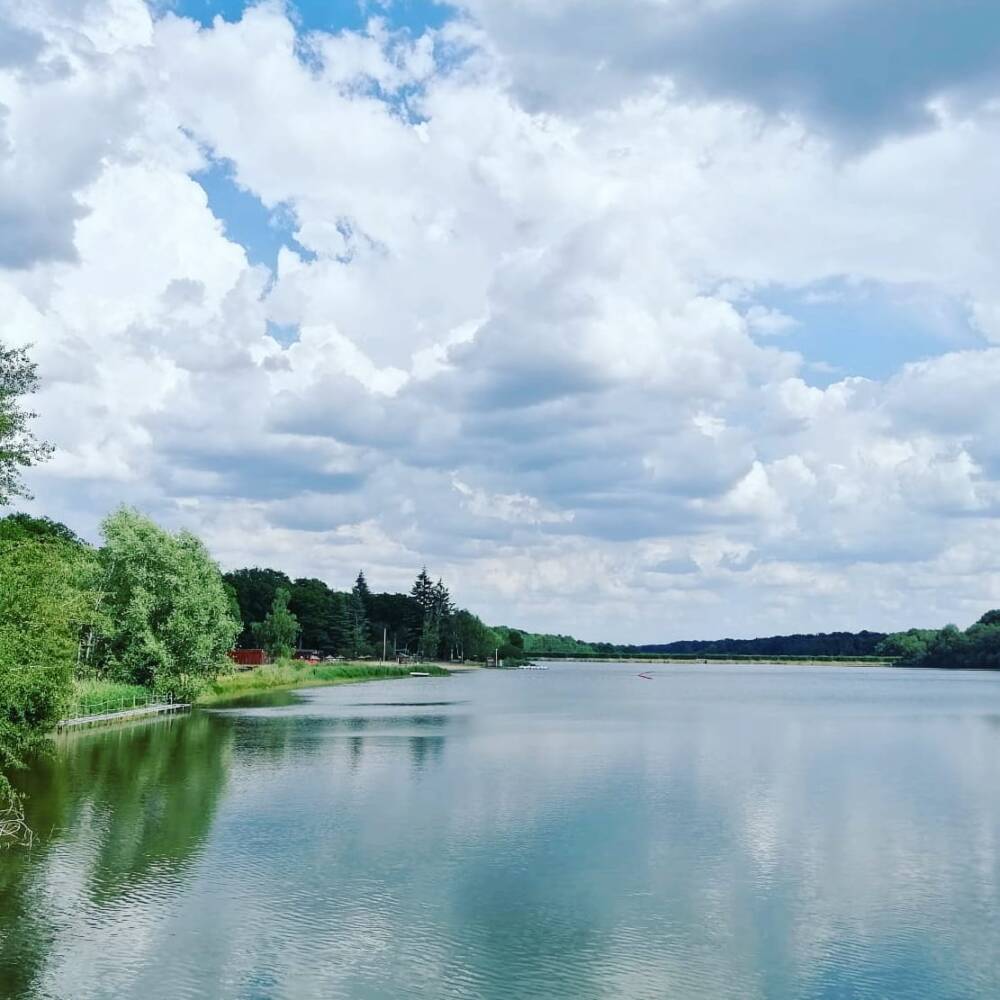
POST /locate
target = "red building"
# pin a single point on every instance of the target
(248, 657)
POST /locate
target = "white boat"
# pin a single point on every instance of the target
(419, 673)
(532, 666)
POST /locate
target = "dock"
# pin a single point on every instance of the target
(127, 715)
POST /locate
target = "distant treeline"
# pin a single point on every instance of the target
(819, 644)
(855, 645)
(281, 614)
(949, 648)
(716, 657)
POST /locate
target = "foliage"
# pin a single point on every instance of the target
(294, 673)
(48, 595)
(279, 630)
(314, 605)
(17, 526)
(358, 643)
(91, 696)
(977, 648)
(171, 624)
(19, 448)
(473, 639)
(255, 589)
(397, 615)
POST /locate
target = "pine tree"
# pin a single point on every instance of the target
(340, 626)
(422, 591)
(358, 617)
(361, 586)
(444, 612)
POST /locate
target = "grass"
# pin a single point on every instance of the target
(92, 697)
(288, 674)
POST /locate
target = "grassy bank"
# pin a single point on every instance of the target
(725, 658)
(92, 697)
(288, 674)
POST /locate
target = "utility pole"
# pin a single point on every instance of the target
(384, 639)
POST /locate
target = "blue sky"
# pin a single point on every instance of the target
(329, 15)
(632, 320)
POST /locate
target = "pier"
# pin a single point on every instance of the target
(126, 715)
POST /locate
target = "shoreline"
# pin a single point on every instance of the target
(286, 676)
(775, 661)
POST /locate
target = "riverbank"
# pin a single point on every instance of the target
(718, 660)
(290, 674)
(96, 697)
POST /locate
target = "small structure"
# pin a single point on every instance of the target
(247, 658)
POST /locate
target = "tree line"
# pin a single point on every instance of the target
(948, 648)
(150, 608)
(281, 615)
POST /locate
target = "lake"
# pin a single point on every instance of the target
(715, 832)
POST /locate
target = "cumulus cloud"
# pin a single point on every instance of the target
(858, 69)
(529, 341)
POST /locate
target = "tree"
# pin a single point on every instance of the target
(444, 610)
(19, 448)
(312, 602)
(473, 639)
(48, 595)
(361, 586)
(358, 637)
(279, 630)
(341, 632)
(255, 589)
(171, 625)
(399, 615)
(18, 526)
(990, 618)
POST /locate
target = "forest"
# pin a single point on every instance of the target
(948, 648)
(281, 615)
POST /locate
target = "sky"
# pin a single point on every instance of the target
(636, 320)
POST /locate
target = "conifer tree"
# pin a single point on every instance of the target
(358, 617)
(361, 586)
(279, 630)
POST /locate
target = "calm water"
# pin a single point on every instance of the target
(715, 832)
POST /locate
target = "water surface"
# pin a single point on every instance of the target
(715, 832)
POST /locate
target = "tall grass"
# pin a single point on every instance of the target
(294, 673)
(93, 697)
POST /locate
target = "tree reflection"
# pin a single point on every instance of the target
(121, 807)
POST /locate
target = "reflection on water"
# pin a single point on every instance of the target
(718, 832)
(119, 815)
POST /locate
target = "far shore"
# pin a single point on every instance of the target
(776, 661)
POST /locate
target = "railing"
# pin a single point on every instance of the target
(123, 703)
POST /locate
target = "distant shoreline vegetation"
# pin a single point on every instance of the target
(949, 648)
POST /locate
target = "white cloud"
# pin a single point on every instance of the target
(530, 348)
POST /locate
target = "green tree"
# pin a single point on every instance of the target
(312, 602)
(255, 589)
(279, 630)
(171, 624)
(361, 586)
(398, 615)
(19, 448)
(474, 640)
(48, 595)
(359, 637)
(17, 526)
(341, 632)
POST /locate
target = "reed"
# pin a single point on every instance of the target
(294, 673)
